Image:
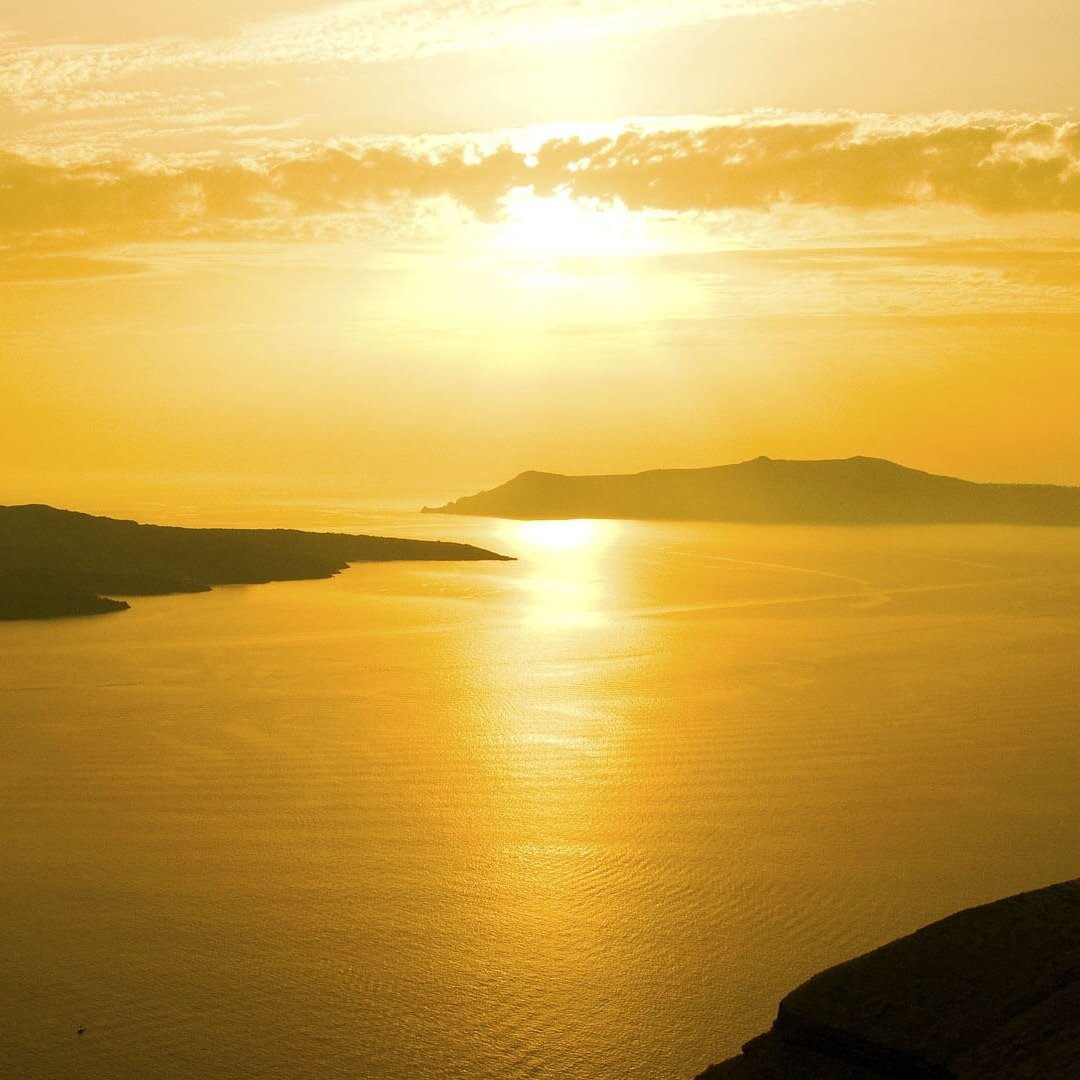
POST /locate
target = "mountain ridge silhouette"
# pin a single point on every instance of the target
(854, 490)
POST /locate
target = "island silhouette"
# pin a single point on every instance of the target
(856, 490)
(59, 562)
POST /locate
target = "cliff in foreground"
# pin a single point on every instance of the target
(987, 994)
(57, 562)
(858, 490)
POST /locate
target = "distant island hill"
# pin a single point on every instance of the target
(990, 993)
(857, 490)
(57, 562)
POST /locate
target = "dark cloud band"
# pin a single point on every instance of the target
(996, 167)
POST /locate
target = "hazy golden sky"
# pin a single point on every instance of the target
(390, 245)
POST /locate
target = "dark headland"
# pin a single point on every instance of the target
(987, 994)
(57, 562)
(858, 490)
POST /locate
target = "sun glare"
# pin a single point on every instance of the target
(563, 585)
(561, 227)
(575, 535)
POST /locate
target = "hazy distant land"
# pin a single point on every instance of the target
(58, 562)
(857, 490)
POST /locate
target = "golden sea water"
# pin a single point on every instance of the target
(588, 814)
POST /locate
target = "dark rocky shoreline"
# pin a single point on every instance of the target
(990, 993)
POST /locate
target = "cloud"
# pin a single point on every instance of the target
(995, 167)
(38, 269)
(60, 77)
(1058, 264)
(992, 166)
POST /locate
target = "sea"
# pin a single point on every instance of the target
(588, 814)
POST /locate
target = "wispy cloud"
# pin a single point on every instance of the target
(39, 269)
(60, 77)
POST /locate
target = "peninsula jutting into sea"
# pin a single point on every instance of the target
(59, 562)
(856, 490)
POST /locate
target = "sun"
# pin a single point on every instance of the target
(562, 227)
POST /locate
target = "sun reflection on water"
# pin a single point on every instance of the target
(557, 737)
(563, 582)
